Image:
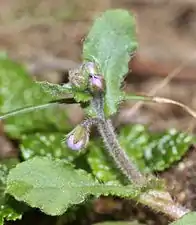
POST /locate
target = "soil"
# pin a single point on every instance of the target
(47, 35)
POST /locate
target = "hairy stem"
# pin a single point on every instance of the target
(159, 201)
(122, 161)
(119, 156)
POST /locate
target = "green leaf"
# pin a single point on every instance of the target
(188, 219)
(154, 151)
(18, 90)
(7, 212)
(150, 151)
(109, 43)
(53, 186)
(120, 223)
(102, 168)
(46, 144)
(82, 96)
(55, 90)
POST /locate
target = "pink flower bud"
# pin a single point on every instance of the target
(97, 83)
(78, 138)
(74, 145)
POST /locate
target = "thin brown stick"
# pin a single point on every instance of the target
(170, 101)
(162, 84)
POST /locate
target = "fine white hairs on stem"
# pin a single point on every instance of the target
(122, 161)
(160, 201)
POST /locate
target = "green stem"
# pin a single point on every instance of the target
(36, 107)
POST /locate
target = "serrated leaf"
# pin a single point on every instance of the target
(188, 219)
(120, 223)
(7, 212)
(82, 96)
(46, 144)
(55, 90)
(109, 43)
(53, 186)
(18, 90)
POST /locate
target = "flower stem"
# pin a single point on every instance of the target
(122, 161)
(119, 156)
(159, 201)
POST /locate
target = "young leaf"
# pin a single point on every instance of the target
(109, 43)
(53, 186)
(18, 90)
(82, 96)
(56, 90)
(188, 219)
(46, 144)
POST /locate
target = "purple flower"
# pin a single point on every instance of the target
(74, 145)
(78, 138)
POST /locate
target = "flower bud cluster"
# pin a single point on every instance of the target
(87, 77)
